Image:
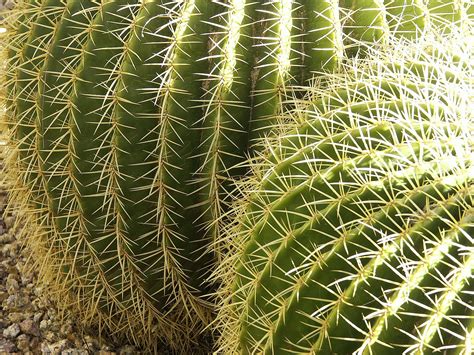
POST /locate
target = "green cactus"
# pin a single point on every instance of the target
(130, 120)
(355, 233)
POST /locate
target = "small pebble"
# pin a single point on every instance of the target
(16, 317)
(23, 343)
(3, 296)
(11, 300)
(50, 336)
(7, 347)
(12, 331)
(59, 346)
(28, 326)
(37, 317)
(34, 343)
(44, 324)
(12, 285)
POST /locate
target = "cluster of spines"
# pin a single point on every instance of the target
(96, 189)
(109, 172)
(355, 232)
(273, 48)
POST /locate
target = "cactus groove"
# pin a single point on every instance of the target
(355, 234)
(130, 121)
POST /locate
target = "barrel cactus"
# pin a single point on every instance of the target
(355, 232)
(129, 122)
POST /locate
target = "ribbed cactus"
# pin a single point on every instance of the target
(355, 234)
(130, 120)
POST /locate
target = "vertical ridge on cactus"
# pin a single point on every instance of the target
(323, 40)
(22, 22)
(227, 107)
(130, 122)
(57, 78)
(26, 87)
(354, 232)
(186, 255)
(366, 24)
(93, 162)
(276, 44)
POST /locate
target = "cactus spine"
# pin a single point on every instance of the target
(130, 121)
(355, 233)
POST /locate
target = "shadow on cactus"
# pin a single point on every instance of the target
(355, 233)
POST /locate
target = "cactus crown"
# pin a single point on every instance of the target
(354, 232)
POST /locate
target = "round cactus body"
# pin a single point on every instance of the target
(130, 120)
(355, 234)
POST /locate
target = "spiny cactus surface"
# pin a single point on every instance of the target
(356, 233)
(130, 120)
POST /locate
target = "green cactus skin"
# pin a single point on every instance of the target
(185, 254)
(130, 122)
(445, 13)
(226, 111)
(135, 176)
(355, 234)
(406, 20)
(274, 63)
(90, 141)
(323, 40)
(21, 22)
(53, 110)
(367, 24)
(26, 87)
